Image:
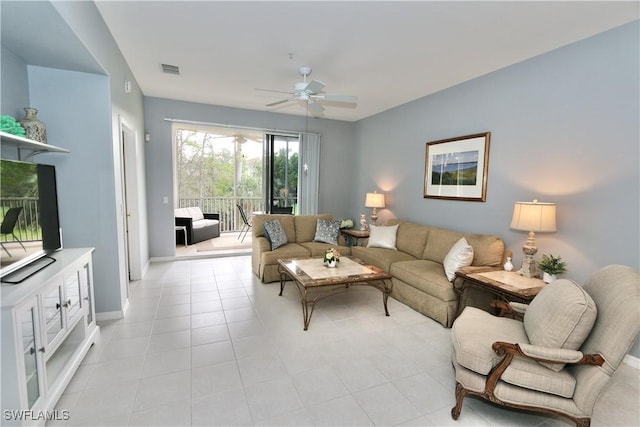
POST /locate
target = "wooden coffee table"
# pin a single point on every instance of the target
(315, 281)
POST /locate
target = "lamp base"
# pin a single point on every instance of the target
(374, 217)
(528, 268)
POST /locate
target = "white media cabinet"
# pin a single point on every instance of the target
(48, 326)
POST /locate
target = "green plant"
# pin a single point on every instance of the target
(552, 265)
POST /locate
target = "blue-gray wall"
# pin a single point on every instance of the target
(564, 128)
(82, 112)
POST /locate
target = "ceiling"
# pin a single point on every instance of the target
(385, 53)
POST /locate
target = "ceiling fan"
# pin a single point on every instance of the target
(309, 92)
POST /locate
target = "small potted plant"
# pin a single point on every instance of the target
(331, 257)
(551, 267)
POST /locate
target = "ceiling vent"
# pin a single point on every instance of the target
(170, 69)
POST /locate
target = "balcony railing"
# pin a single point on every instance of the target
(230, 219)
(28, 226)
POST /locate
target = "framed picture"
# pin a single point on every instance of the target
(456, 168)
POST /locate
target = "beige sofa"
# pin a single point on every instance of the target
(419, 280)
(300, 231)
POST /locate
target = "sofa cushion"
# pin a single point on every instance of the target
(488, 249)
(380, 257)
(411, 238)
(383, 236)
(560, 316)
(327, 231)
(439, 244)
(425, 276)
(305, 226)
(274, 232)
(182, 213)
(460, 255)
(317, 249)
(290, 250)
(195, 213)
(204, 223)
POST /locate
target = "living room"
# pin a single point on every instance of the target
(564, 129)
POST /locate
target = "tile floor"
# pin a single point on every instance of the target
(205, 343)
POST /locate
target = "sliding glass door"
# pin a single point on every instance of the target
(281, 167)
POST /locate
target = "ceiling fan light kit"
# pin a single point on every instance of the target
(309, 92)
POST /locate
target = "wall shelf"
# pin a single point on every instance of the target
(33, 147)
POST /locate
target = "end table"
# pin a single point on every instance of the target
(505, 285)
(353, 236)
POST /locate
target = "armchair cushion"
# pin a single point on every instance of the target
(560, 316)
(473, 334)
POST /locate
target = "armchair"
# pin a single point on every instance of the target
(559, 356)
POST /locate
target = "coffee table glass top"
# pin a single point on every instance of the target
(312, 272)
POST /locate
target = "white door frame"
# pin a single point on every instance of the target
(128, 144)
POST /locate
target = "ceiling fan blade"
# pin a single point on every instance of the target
(271, 90)
(314, 86)
(315, 108)
(347, 99)
(282, 101)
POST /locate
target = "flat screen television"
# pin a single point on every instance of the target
(30, 221)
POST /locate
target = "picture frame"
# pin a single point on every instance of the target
(456, 168)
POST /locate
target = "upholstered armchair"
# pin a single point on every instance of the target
(558, 358)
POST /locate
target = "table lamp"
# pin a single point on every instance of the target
(374, 200)
(532, 217)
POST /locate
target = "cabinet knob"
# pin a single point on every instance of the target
(67, 303)
(41, 349)
(57, 306)
(86, 298)
(32, 350)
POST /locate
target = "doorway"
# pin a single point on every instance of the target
(131, 220)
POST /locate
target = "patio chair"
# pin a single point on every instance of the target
(246, 223)
(8, 225)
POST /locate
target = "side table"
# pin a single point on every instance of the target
(353, 236)
(505, 285)
(183, 229)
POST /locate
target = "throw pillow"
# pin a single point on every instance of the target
(460, 255)
(327, 231)
(560, 316)
(275, 233)
(383, 236)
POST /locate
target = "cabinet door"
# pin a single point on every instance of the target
(30, 343)
(72, 286)
(53, 314)
(87, 294)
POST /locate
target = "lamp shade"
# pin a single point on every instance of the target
(534, 216)
(374, 200)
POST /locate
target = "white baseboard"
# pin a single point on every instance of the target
(109, 315)
(145, 267)
(162, 259)
(632, 361)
